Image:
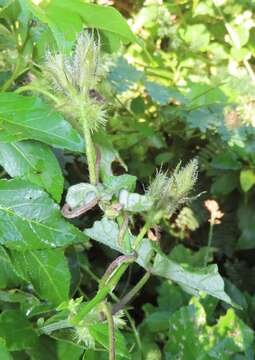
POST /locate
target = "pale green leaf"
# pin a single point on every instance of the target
(240, 335)
(116, 183)
(247, 179)
(190, 338)
(135, 202)
(191, 280)
(80, 194)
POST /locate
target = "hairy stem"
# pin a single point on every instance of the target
(90, 149)
(111, 332)
(38, 90)
(123, 229)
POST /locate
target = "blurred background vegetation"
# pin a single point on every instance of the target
(188, 92)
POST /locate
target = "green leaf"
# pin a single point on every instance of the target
(46, 270)
(188, 335)
(239, 334)
(66, 19)
(35, 162)
(68, 351)
(182, 255)
(226, 161)
(247, 179)
(194, 281)
(225, 183)
(108, 155)
(191, 339)
(55, 350)
(8, 277)
(100, 333)
(28, 117)
(4, 353)
(134, 202)
(31, 220)
(191, 280)
(16, 330)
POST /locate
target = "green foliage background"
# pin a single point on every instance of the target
(180, 84)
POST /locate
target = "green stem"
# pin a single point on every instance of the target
(100, 296)
(14, 75)
(141, 235)
(111, 332)
(90, 150)
(114, 297)
(131, 293)
(209, 244)
(109, 286)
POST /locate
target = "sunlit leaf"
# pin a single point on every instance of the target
(31, 220)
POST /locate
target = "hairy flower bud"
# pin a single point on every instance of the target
(74, 78)
(168, 193)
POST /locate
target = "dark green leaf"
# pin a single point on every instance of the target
(30, 219)
(33, 161)
(246, 222)
(182, 255)
(16, 330)
(27, 117)
(46, 270)
(4, 353)
(8, 278)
